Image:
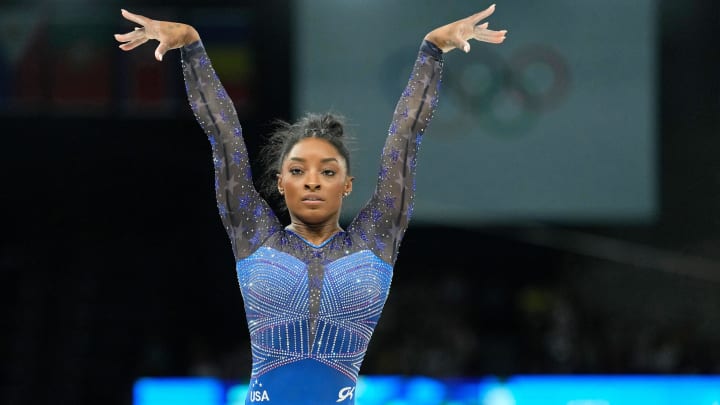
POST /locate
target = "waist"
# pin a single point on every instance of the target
(307, 381)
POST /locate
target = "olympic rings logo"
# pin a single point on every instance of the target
(504, 95)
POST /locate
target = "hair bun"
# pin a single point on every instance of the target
(332, 125)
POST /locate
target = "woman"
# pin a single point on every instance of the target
(313, 292)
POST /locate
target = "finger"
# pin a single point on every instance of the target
(491, 33)
(136, 18)
(462, 44)
(495, 37)
(490, 36)
(128, 46)
(476, 18)
(494, 40)
(160, 51)
(130, 36)
(479, 30)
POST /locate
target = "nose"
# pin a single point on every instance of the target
(312, 186)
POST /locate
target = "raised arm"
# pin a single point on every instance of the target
(247, 218)
(383, 221)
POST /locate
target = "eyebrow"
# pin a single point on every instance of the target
(299, 159)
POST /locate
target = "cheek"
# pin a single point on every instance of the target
(291, 184)
(339, 186)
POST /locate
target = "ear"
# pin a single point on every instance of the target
(349, 184)
(281, 189)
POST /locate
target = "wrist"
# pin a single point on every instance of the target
(191, 35)
(444, 45)
(431, 50)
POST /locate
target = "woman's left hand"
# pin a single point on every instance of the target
(457, 34)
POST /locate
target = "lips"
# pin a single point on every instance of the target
(312, 198)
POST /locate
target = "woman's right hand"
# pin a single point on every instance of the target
(171, 35)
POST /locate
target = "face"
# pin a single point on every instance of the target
(314, 180)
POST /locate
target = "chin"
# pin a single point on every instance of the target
(314, 217)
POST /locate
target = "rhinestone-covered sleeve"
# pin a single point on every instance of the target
(383, 221)
(247, 218)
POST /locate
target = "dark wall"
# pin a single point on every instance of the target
(114, 264)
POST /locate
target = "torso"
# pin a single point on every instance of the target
(311, 310)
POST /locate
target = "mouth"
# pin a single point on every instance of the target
(312, 199)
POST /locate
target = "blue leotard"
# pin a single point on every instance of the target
(311, 309)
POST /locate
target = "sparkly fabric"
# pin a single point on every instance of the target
(311, 309)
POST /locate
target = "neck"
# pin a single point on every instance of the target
(315, 234)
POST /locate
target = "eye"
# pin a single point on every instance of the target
(329, 172)
(295, 171)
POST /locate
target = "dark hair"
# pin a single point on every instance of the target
(327, 126)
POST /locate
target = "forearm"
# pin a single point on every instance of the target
(208, 99)
(418, 100)
(413, 113)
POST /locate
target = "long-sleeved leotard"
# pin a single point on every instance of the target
(311, 309)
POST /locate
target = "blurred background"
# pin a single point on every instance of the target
(568, 212)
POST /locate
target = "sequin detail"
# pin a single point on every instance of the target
(278, 289)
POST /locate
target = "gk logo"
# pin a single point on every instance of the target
(345, 393)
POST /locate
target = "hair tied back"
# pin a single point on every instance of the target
(318, 132)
